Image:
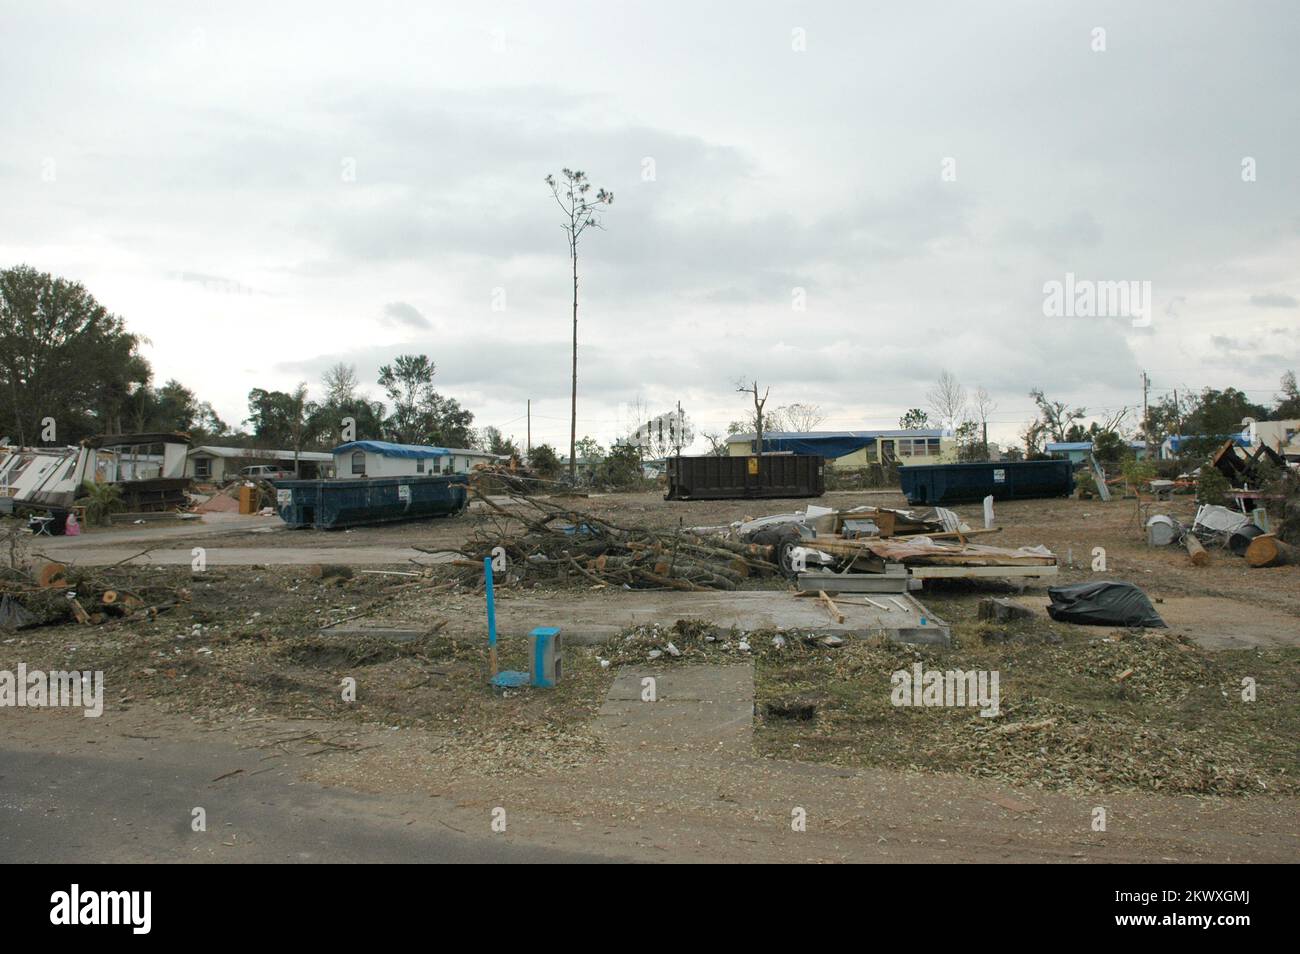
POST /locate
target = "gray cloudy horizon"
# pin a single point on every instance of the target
(263, 191)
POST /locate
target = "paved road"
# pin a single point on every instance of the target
(82, 808)
(245, 556)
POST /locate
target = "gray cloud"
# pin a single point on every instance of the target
(401, 313)
(1274, 300)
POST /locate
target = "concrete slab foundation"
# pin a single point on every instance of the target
(594, 618)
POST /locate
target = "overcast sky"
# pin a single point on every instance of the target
(191, 164)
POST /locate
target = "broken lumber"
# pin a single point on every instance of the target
(1198, 554)
(830, 606)
(1267, 550)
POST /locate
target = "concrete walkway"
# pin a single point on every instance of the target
(707, 707)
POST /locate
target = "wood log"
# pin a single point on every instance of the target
(79, 612)
(1198, 554)
(1267, 550)
(52, 574)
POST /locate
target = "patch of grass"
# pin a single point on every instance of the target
(1122, 711)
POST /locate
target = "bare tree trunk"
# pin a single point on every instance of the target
(573, 406)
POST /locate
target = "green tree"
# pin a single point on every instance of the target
(621, 468)
(420, 414)
(407, 382)
(915, 419)
(1109, 448)
(544, 462)
(62, 356)
(274, 417)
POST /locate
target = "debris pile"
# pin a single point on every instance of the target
(543, 541)
(880, 540)
(54, 594)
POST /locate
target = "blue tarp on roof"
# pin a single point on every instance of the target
(828, 447)
(387, 449)
(830, 444)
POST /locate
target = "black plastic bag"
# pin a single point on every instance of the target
(1103, 603)
(14, 616)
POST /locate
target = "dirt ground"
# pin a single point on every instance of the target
(246, 645)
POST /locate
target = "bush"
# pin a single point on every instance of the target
(544, 462)
(1211, 486)
(100, 501)
(1137, 472)
(621, 470)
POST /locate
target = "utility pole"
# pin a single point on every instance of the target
(530, 428)
(1146, 421)
(680, 422)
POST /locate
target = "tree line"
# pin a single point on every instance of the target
(64, 357)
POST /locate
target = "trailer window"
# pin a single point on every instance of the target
(359, 462)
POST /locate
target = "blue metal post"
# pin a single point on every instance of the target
(492, 615)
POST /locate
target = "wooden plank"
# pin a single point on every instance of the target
(957, 572)
(830, 607)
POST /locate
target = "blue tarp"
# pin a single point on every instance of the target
(829, 447)
(1176, 441)
(414, 451)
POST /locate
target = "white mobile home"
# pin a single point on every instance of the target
(383, 459)
(212, 464)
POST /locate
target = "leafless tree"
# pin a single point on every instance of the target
(984, 407)
(947, 399)
(752, 389)
(801, 417)
(717, 443)
(340, 383)
(580, 213)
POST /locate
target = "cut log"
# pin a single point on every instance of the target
(52, 574)
(1268, 550)
(79, 612)
(1198, 554)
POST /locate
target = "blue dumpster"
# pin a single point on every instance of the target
(939, 484)
(332, 504)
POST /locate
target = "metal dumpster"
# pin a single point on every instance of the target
(331, 504)
(730, 478)
(938, 484)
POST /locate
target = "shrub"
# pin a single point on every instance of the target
(1211, 486)
(100, 501)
